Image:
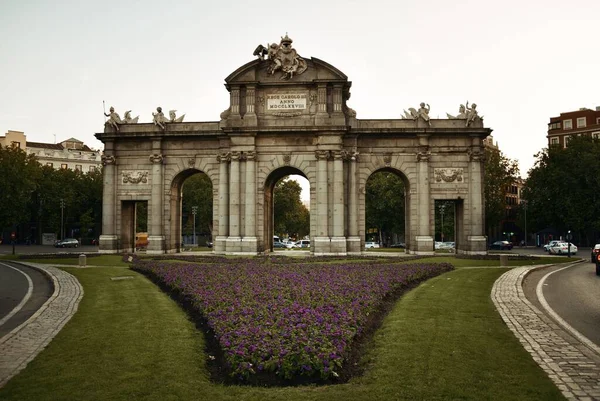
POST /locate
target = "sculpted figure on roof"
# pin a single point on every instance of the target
(282, 57)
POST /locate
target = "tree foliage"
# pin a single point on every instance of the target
(562, 189)
(499, 173)
(385, 200)
(291, 217)
(197, 191)
(19, 178)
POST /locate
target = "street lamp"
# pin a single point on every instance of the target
(62, 215)
(442, 207)
(524, 204)
(194, 211)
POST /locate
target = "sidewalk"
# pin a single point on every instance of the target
(572, 366)
(22, 344)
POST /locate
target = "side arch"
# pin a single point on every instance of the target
(174, 207)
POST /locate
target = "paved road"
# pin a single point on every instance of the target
(572, 293)
(32, 249)
(23, 290)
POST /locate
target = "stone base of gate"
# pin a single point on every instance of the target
(353, 246)
(107, 244)
(156, 245)
(423, 245)
(326, 246)
(338, 246)
(220, 244)
(476, 245)
(250, 245)
(233, 245)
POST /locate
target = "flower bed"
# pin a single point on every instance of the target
(286, 319)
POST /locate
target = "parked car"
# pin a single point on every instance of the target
(595, 252)
(550, 244)
(209, 244)
(304, 243)
(398, 245)
(562, 248)
(371, 244)
(291, 245)
(278, 245)
(67, 243)
(501, 245)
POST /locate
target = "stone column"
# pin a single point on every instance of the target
(234, 239)
(235, 101)
(250, 243)
(476, 241)
(108, 238)
(424, 239)
(223, 217)
(353, 237)
(337, 98)
(250, 116)
(156, 238)
(338, 240)
(321, 240)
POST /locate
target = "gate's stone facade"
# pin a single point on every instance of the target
(295, 123)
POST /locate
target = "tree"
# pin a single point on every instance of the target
(291, 217)
(385, 200)
(19, 176)
(499, 173)
(562, 189)
(197, 191)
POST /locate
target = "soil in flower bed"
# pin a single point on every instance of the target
(276, 325)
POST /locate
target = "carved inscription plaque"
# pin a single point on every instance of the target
(286, 101)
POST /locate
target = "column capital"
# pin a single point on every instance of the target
(106, 160)
(236, 156)
(224, 157)
(322, 154)
(423, 156)
(476, 155)
(156, 158)
(248, 156)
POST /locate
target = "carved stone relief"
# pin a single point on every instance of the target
(135, 177)
(448, 174)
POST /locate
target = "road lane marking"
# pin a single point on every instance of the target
(25, 298)
(540, 294)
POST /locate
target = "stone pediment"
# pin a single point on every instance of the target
(257, 71)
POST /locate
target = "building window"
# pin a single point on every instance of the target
(63, 166)
(555, 126)
(16, 144)
(567, 139)
(92, 168)
(597, 120)
(78, 167)
(596, 135)
(568, 124)
(580, 122)
(50, 164)
(553, 141)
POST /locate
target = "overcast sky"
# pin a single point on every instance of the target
(522, 62)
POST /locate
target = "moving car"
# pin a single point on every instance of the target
(562, 248)
(67, 243)
(371, 244)
(595, 252)
(550, 244)
(291, 245)
(278, 245)
(501, 245)
(398, 245)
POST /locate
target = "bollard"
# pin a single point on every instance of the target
(503, 260)
(82, 260)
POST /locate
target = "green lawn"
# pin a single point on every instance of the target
(129, 341)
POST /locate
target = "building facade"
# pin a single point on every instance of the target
(70, 154)
(581, 122)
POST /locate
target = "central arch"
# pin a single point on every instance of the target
(269, 205)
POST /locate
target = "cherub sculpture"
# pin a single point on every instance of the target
(422, 113)
(472, 114)
(461, 113)
(113, 119)
(159, 118)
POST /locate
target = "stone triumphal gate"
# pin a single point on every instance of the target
(288, 115)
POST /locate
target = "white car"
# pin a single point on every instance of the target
(550, 245)
(562, 248)
(290, 245)
(369, 245)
